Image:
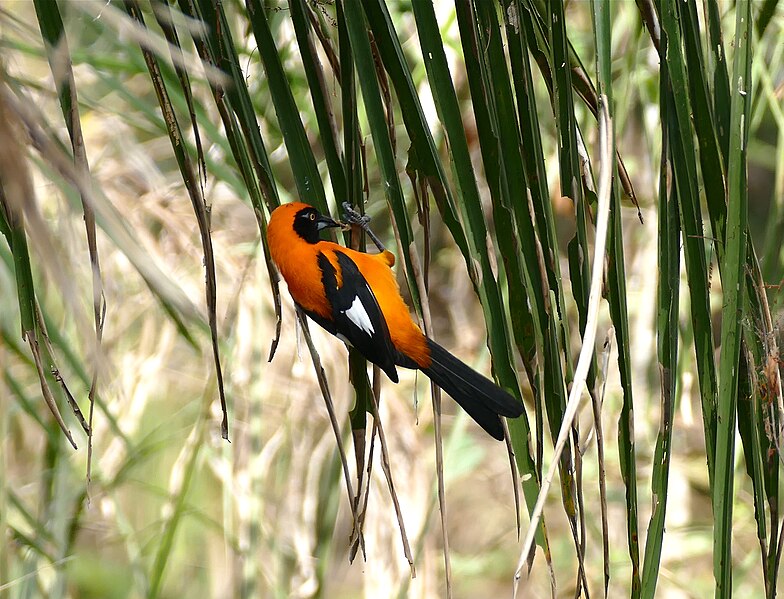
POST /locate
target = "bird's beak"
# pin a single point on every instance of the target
(325, 222)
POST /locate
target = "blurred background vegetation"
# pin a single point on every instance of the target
(142, 146)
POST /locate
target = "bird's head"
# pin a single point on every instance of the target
(303, 219)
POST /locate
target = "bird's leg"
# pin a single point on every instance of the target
(353, 217)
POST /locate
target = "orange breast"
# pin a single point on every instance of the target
(297, 260)
(299, 267)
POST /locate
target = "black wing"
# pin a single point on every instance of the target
(356, 316)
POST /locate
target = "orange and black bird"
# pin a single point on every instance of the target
(355, 296)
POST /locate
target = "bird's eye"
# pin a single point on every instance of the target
(312, 216)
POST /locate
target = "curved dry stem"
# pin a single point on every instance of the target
(587, 351)
(435, 394)
(322, 381)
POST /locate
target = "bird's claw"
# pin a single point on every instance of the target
(352, 216)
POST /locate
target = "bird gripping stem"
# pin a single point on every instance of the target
(353, 217)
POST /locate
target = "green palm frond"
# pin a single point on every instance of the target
(472, 134)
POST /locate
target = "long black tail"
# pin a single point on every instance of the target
(479, 396)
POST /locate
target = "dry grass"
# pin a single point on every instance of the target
(267, 514)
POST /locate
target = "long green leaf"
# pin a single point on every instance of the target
(218, 48)
(750, 400)
(705, 123)
(500, 142)
(423, 155)
(356, 25)
(717, 65)
(320, 98)
(684, 165)
(667, 310)
(445, 97)
(533, 154)
(303, 163)
(732, 311)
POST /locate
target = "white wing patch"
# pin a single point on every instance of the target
(359, 316)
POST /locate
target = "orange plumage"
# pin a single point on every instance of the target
(355, 296)
(296, 260)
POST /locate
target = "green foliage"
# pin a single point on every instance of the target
(490, 110)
